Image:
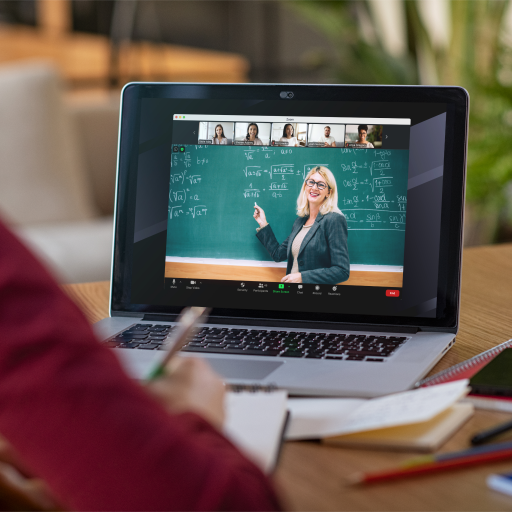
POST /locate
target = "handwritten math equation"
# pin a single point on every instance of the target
(367, 187)
(184, 197)
(364, 188)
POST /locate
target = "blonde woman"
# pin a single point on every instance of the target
(316, 249)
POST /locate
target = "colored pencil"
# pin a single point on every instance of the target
(435, 463)
(188, 321)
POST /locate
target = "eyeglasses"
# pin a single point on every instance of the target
(320, 185)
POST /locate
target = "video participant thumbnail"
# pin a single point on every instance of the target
(289, 134)
(216, 133)
(363, 136)
(252, 134)
(326, 136)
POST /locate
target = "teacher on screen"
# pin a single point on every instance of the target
(316, 249)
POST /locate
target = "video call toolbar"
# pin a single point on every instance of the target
(271, 288)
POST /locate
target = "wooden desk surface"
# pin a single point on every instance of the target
(312, 477)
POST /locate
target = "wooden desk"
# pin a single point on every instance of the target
(312, 477)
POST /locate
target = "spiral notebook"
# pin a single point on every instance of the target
(466, 370)
(256, 420)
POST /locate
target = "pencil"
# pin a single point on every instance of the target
(484, 436)
(187, 323)
(438, 463)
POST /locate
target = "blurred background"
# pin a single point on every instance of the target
(64, 62)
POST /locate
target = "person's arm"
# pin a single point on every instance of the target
(95, 436)
(278, 252)
(339, 271)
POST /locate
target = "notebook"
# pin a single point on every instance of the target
(256, 422)
(418, 421)
(426, 436)
(368, 300)
(465, 369)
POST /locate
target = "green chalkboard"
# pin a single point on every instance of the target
(213, 189)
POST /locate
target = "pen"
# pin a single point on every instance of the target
(188, 321)
(486, 435)
(435, 463)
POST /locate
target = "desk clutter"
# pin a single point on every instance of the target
(418, 420)
(257, 420)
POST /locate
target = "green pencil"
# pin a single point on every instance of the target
(188, 321)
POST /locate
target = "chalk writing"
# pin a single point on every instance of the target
(368, 193)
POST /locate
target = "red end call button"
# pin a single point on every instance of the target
(392, 293)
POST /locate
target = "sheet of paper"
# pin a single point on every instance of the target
(254, 422)
(315, 418)
(405, 408)
(318, 418)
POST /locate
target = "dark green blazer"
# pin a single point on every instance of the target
(323, 255)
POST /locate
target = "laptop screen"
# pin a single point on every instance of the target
(286, 209)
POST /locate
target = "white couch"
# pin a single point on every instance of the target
(57, 169)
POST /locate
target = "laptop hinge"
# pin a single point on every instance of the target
(293, 324)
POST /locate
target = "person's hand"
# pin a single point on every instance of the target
(190, 385)
(19, 489)
(259, 216)
(326, 145)
(292, 278)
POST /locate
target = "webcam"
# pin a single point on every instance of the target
(286, 95)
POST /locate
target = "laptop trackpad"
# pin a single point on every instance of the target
(253, 370)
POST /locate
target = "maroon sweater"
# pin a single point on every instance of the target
(95, 436)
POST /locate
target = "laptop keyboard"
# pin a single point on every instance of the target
(309, 345)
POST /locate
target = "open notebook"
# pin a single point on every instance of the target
(418, 420)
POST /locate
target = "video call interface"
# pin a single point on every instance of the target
(241, 191)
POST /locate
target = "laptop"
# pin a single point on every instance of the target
(321, 223)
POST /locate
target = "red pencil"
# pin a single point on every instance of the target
(431, 467)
